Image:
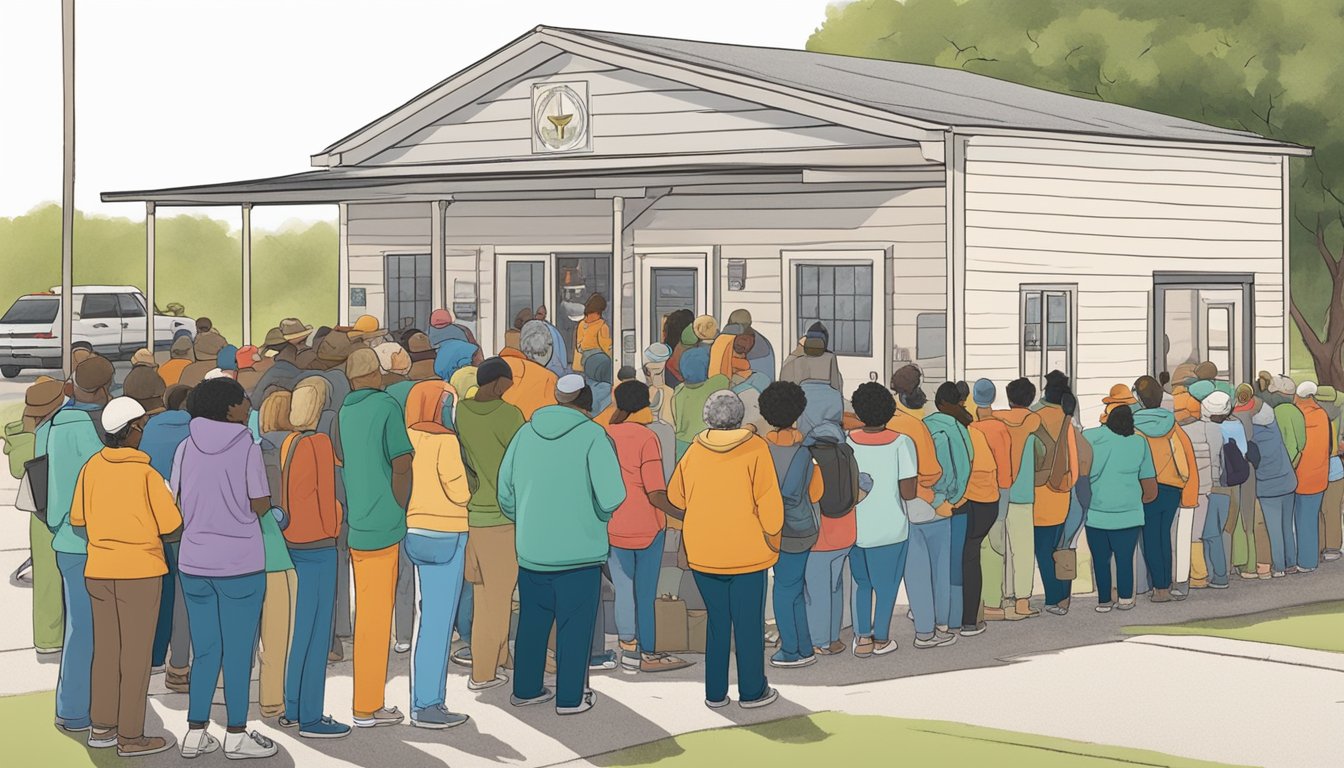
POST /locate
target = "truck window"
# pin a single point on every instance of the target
(130, 305)
(98, 306)
(35, 310)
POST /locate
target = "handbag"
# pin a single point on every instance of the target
(33, 488)
(1066, 564)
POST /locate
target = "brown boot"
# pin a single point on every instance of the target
(1160, 596)
(1023, 608)
(993, 614)
(177, 681)
(145, 745)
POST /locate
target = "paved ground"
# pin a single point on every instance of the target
(1074, 677)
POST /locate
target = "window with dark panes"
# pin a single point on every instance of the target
(99, 306)
(408, 284)
(526, 281)
(840, 296)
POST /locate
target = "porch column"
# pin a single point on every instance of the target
(343, 264)
(247, 274)
(149, 275)
(617, 283)
(438, 291)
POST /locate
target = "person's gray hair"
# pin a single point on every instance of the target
(534, 341)
(724, 410)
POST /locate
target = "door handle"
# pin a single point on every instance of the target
(100, 325)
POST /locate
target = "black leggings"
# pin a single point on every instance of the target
(980, 517)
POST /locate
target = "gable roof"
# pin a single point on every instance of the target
(952, 98)
(924, 98)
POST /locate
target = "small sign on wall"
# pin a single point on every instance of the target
(737, 274)
(358, 297)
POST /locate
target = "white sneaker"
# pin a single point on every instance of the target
(498, 680)
(244, 746)
(197, 742)
(401, 647)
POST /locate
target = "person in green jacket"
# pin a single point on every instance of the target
(486, 424)
(688, 400)
(40, 402)
(560, 482)
(1292, 424)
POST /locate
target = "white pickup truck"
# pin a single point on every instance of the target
(109, 319)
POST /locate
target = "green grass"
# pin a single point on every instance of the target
(1318, 626)
(837, 739)
(30, 738)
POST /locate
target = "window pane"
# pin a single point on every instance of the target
(1218, 326)
(827, 279)
(863, 280)
(863, 338)
(1057, 308)
(422, 289)
(1033, 308)
(808, 279)
(1031, 337)
(99, 305)
(1058, 335)
(863, 307)
(844, 307)
(930, 336)
(844, 279)
(393, 266)
(130, 307)
(826, 307)
(807, 306)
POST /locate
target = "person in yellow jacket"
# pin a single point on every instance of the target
(436, 544)
(593, 333)
(727, 484)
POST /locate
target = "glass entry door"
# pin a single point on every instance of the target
(577, 277)
(668, 282)
(1198, 322)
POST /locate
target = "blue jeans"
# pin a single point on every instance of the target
(439, 562)
(927, 579)
(634, 578)
(225, 617)
(314, 612)
(824, 590)
(465, 605)
(1047, 540)
(1215, 554)
(1158, 517)
(955, 552)
(1307, 519)
(736, 606)
(163, 631)
(1278, 512)
(795, 639)
(1105, 545)
(876, 571)
(569, 600)
(72, 687)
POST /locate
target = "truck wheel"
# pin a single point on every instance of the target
(10, 371)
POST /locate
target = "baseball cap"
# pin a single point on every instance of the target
(657, 353)
(247, 357)
(1216, 403)
(440, 318)
(366, 326)
(143, 357)
(1306, 389)
(120, 412)
(227, 358)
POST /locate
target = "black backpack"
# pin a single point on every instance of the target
(1236, 467)
(800, 521)
(839, 474)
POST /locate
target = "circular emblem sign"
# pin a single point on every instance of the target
(560, 118)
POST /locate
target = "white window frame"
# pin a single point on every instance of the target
(648, 259)
(1071, 290)
(882, 334)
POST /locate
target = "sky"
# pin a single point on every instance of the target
(171, 93)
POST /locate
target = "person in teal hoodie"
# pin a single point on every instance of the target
(952, 443)
(560, 482)
(73, 438)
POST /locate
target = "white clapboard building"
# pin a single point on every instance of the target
(970, 225)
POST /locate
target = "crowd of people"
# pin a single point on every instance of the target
(240, 504)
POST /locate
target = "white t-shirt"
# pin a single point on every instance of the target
(881, 518)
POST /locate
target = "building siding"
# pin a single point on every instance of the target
(1106, 218)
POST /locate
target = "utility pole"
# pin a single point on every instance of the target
(68, 187)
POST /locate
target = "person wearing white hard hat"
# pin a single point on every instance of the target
(1313, 470)
(125, 508)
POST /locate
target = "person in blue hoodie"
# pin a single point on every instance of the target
(560, 481)
(165, 431)
(70, 439)
(1275, 487)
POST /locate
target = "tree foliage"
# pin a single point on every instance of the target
(1267, 66)
(199, 265)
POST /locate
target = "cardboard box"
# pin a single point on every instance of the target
(697, 626)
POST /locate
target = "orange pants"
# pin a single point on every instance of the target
(375, 599)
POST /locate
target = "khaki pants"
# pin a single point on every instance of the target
(1331, 530)
(492, 569)
(125, 614)
(277, 629)
(1020, 526)
(1263, 562)
(375, 599)
(992, 561)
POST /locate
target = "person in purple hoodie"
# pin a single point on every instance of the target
(164, 432)
(219, 479)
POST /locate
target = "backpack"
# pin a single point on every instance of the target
(1236, 468)
(951, 486)
(801, 525)
(839, 476)
(1052, 468)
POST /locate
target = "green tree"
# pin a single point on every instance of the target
(199, 265)
(1267, 66)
